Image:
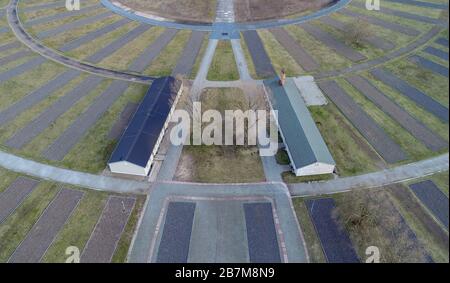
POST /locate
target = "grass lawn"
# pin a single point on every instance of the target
(412, 147)
(75, 232)
(399, 39)
(290, 178)
(248, 59)
(223, 66)
(121, 59)
(199, 58)
(323, 55)
(428, 232)
(279, 56)
(313, 245)
(78, 228)
(372, 219)
(18, 87)
(417, 112)
(49, 135)
(59, 40)
(350, 151)
(221, 164)
(428, 82)
(17, 225)
(85, 50)
(93, 151)
(168, 58)
(441, 180)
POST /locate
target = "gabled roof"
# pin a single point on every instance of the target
(301, 136)
(139, 139)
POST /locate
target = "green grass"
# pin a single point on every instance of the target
(430, 83)
(84, 51)
(249, 60)
(370, 217)
(3, 3)
(290, 178)
(350, 151)
(436, 251)
(17, 225)
(441, 180)
(327, 58)
(223, 66)
(59, 40)
(6, 178)
(199, 58)
(167, 59)
(123, 246)
(93, 151)
(313, 245)
(49, 135)
(420, 26)
(18, 87)
(399, 39)
(280, 57)
(412, 108)
(78, 228)
(25, 117)
(412, 147)
(123, 57)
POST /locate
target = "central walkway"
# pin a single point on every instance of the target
(225, 11)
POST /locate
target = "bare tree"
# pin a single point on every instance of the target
(357, 32)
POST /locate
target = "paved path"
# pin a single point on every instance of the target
(20, 33)
(373, 180)
(240, 59)
(66, 176)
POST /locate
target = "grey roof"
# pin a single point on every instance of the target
(301, 136)
(141, 135)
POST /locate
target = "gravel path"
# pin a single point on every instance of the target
(15, 56)
(188, 57)
(436, 52)
(368, 128)
(176, 235)
(61, 16)
(333, 43)
(78, 129)
(48, 116)
(104, 239)
(430, 65)
(123, 121)
(27, 66)
(88, 37)
(37, 96)
(261, 233)
(14, 195)
(397, 113)
(384, 24)
(261, 60)
(300, 55)
(73, 25)
(375, 41)
(117, 44)
(152, 51)
(434, 199)
(44, 231)
(421, 99)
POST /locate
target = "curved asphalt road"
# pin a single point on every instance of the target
(33, 44)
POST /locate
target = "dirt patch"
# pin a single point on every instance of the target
(204, 11)
(257, 10)
(182, 10)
